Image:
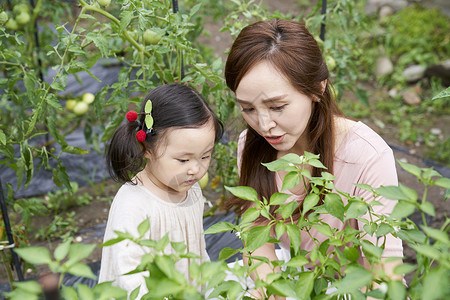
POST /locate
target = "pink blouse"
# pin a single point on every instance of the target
(362, 157)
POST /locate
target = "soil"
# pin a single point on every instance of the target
(91, 219)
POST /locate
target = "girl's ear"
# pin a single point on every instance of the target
(323, 85)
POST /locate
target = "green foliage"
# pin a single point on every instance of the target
(112, 33)
(418, 35)
(332, 263)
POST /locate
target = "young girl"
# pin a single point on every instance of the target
(160, 167)
(281, 82)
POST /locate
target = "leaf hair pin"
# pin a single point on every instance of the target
(132, 116)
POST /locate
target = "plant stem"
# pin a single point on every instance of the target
(424, 197)
(8, 268)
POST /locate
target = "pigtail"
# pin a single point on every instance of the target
(124, 155)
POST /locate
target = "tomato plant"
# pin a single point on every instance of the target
(109, 30)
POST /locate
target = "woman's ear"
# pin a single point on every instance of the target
(323, 85)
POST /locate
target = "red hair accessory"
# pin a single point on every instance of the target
(141, 135)
(132, 116)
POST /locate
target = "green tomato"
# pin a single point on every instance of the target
(331, 63)
(23, 18)
(12, 24)
(151, 37)
(70, 104)
(88, 98)
(80, 108)
(203, 182)
(20, 8)
(3, 17)
(104, 3)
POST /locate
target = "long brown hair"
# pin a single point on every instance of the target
(294, 52)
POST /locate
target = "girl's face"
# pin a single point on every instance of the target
(274, 108)
(181, 160)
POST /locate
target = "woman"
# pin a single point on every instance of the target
(281, 82)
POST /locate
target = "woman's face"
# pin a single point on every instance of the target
(274, 108)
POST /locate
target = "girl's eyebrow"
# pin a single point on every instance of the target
(271, 99)
(189, 153)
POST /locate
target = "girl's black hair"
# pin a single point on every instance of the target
(174, 105)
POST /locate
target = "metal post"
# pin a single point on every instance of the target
(322, 25)
(15, 258)
(175, 10)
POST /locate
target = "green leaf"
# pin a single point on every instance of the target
(290, 180)
(295, 236)
(324, 229)
(75, 150)
(278, 198)
(281, 287)
(62, 250)
(404, 269)
(445, 93)
(316, 163)
(280, 229)
(219, 227)
(371, 250)
(334, 205)
(412, 236)
(100, 41)
(392, 192)
(148, 107)
(243, 192)
(297, 261)
(427, 208)
(412, 169)
(85, 292)
(34, 255)
(106, 291)
(384, 229)
(292, 158)
(257, 236)
(78, 252)
(436, 234)
(427, 250)
(54, 102)
(355, 279)
(351, 253)
(69, 293)
(443, 182)
(250, 215)
(409, 192)
(356, 209)
(2, 137)
(81, 270)
(149, 121)
(403, 209)
(125, 18)
(309, 202)
(29, 286)
(227, 252)
(304, 285)
(396, 290)
(143, 227)
(112, 241)
(288, 209)
(179, 247)
(277, 165)
(435, 283)
(166, 265)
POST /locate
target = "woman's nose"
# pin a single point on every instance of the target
(265, 121)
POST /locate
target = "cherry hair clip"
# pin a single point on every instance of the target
(132, 116)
